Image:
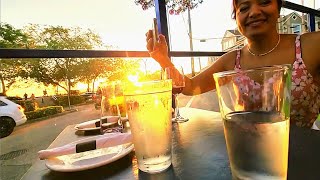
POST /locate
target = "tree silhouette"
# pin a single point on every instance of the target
(55, 71)
(10, 37)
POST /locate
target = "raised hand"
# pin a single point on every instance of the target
(159, 52)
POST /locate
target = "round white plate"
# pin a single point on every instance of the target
(89, 159)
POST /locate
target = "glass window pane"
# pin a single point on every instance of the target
(200, 63)
(208, 24)
(2, 103)
(295, 22)
(315, 4)
(18, 151)
(121, 25)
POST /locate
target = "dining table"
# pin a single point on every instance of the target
(198, 152)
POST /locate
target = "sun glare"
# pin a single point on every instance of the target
(82, 86)
(133, 78)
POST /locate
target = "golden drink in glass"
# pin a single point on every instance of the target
(148, 107)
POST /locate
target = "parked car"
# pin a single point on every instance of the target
(11, 115)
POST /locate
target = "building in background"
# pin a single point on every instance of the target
(292, 23)
(232, 40)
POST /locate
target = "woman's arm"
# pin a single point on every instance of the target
(204, 82)
(201, 83)
(310, 49)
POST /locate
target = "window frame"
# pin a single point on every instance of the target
(3, 103)
(161, 15)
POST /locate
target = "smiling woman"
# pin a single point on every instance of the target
(257, 21)
(252, 21)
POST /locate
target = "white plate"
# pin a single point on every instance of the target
(89, 159)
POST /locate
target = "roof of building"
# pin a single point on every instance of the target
(234, 31)
(288, 16)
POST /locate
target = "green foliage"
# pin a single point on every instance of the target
(11, 37)
(27, 105)
(43, 112)
(151, 76)
(31, 106)
(92, 69)
(121, 68)
(63, 100)
(63, 38)
(74, 92)
(54, 71)
(62, 72)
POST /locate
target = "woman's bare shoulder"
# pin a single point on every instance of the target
(228, 60)
(310, 47)
(288, 36)
(310, 44)
(313, 34)
(230, 55)
(311, 38)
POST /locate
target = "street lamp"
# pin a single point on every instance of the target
(191, 43)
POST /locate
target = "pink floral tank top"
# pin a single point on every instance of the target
(305, 95)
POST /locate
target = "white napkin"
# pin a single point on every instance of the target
(316, 125)
(101, 141)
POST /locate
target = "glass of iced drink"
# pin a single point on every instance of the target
(148, 107)
(110, 111)
(255, 108)
(120, 99)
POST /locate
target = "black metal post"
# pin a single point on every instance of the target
(161, 15)
(311, 22)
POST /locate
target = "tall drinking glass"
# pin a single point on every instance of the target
(255, 108)
(149, 111)
(110, 111)
(120, 98)
(176, 74)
